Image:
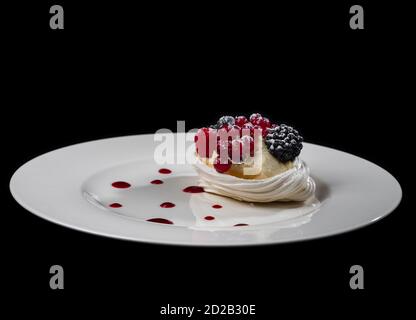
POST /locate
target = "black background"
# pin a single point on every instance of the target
(119, 69)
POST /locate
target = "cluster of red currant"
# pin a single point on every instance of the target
(232, 138)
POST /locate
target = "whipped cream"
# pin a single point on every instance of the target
(294, 184)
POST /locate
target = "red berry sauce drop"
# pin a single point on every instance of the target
(217, 206)
(222, 167)
(160, 220)
(240, 225)
(156, 182)
(115, 205)
(121, 185)
(167, 205)
(165, 171)
(193, 189)
(209, 218)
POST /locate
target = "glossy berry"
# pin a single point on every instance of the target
(264, 123)
(284, 142)
(255, 117)
(240, 121)
(246, 129)
(229, 120)
(222, 167)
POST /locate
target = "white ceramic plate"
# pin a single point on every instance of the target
(73, 187)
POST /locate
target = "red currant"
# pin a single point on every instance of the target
(264, 123)
(240, 121)
(222, 167)
(246, 129)
(255, 117)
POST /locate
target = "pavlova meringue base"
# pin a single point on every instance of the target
(294, 184)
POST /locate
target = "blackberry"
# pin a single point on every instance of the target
(284, 142)
(225, 120)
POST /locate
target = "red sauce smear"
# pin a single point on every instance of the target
(156, 182)
(240, 225)
(167, 205)
(121, 185)
(115, 205)
(217, 206)
(165, 171)
(160, 220)
(193, 189)
(209, 218)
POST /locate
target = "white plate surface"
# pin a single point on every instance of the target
(72, 186)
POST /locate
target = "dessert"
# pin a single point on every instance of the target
(252, 160)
